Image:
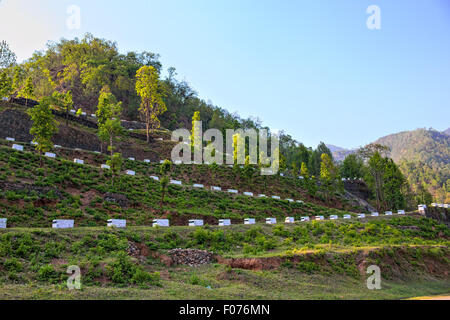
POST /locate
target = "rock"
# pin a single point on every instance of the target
(191, 257)
(120, 199)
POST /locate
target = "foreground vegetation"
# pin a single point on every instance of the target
(308, 260)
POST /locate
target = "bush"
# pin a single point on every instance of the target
(307, 267)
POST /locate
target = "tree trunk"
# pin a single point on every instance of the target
(147, 129)
(111, 145)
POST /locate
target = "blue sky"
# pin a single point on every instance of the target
(311, 68)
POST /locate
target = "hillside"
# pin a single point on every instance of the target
(447, 132)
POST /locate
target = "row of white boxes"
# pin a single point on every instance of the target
(120, 223)
(440, 205)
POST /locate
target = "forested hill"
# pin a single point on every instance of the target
(447, 132)
(429, 146)
(424, 158)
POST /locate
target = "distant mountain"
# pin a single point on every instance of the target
(447, 132)
(339, 153)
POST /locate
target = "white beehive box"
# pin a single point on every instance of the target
(154, 178)
(388, 213)
(83, 114)
(146, 160)
(224, 222)
(289, 220)
(361, 216)
(105, 166)
(434, 204)
(249, 221)
(374, 214)
(176, 182)
(17, 147)
(50, 155)
(34, 143)
(300, 201)
(334, 217)
(271, 221)
(161, 162)
(290, 200)
(249, 194)
(117, 223)
(93, 115)
(78, 161)
(161, 222)
(276, 197)
(440, 205)
(401, 212)
(262, 196)
(304, 219)
(216, 189)
(195, 223)
(198, 186)
(57, 146)
(62, 224)
(3, 223)
(130, 173)
(160, 139)
(320, 218)
(132, 159)
(10, 139)
(178, 162)
(232, 191)
(347, 216)
(73, 111)
(446, 206)
(301, 177)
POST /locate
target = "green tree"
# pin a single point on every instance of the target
(5, 85)
(165, 168)
(328, 175)
(44, 126)
(115, 163)
(151, 91)
(376, 168)
(393, 187)
(352, 167)
(7, 57)
(27, 91)
(64, 101)
(108, 116)
(195, 118)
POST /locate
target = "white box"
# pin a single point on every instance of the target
(50, 155)
(276, 197)
(93, 115)
(105, 166)
(10, 139)
(347, 216)
(73, 111)
(130, 173)
(161, 162)
(179, 183)
(434, 204)
(146, 161)
(160, 139)
(334, 217)
(131, 159)
(83, 114)
(78, 161)
(304, 219)
(216, 189)
(301, 177)
(249, 221)
(34, 143)
(200, 186)
(195, 223)
(161, 222)
(290, 200)
(446, 206)
(154, 178)
(320, 218)
(178, 162)
(117, 223)
(271, 221)
(56, 146)
(62, 224)
(3, 223)
(401, 212)
(440, 205)
(17, 147)
(249, 194)
(232, 191)
(289, 220)
(262, 196)
(388, 213)
(224, 222)
(361, 216)
(300, 201)
(375, 214)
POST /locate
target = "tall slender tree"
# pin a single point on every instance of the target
(151, 91)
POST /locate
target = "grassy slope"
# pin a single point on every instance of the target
(324, 260)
